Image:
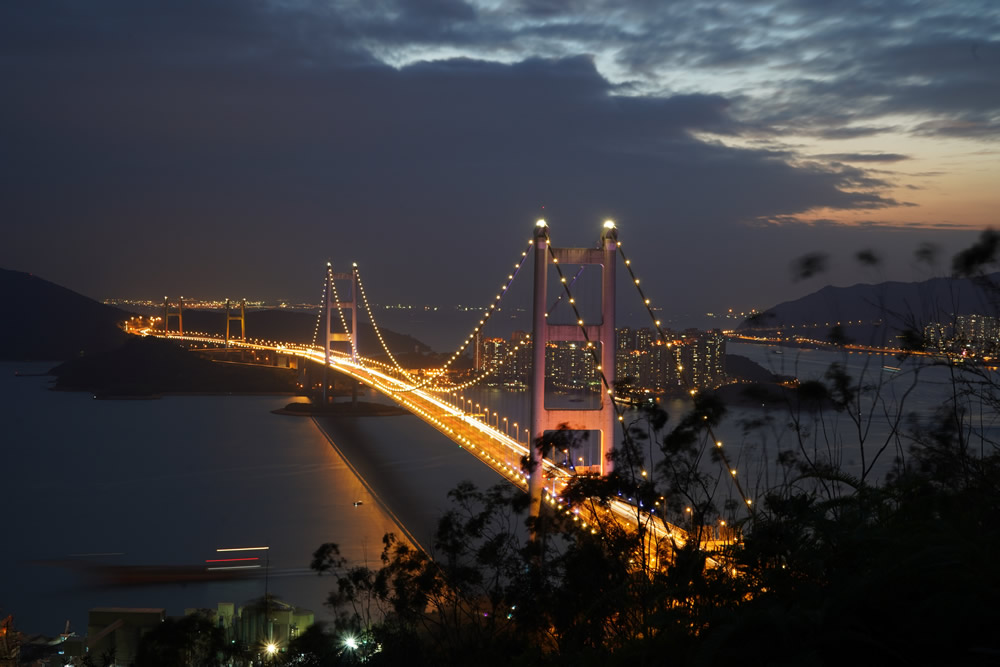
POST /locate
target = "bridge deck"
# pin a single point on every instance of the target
(488, 444)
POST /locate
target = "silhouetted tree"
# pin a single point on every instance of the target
(818, 567)
(191, 641)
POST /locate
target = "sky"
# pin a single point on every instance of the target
(230, 148)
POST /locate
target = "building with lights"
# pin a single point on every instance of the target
(505, 362)
(492, 353)
(977, 334)
(269, 620)
(968, 335)
(643, 363)
(689, 360)
(570, 366)
(937, 336)
(259, 623)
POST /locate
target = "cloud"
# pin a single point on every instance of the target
(864, 157)
(268, 133)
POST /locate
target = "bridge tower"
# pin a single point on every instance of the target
(543, 419)
(169, 311)
(334, 303)
(241, 318)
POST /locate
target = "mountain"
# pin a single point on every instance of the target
(877, 314)
(43, 321)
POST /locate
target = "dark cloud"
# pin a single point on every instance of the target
(187, 143)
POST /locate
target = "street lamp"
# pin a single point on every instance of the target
(506, 429)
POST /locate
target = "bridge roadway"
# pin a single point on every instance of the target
(489, 445)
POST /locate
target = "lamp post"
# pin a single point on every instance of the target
(506, 427)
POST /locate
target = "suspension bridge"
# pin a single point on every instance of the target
(434, 397)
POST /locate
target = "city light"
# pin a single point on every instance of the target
(479, 431)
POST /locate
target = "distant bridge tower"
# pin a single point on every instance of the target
(169, 311)
(231, 316)
(600, 419)
(339, 303)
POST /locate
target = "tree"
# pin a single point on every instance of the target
(812, 564)
(191, 641)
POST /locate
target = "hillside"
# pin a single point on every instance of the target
(298, 327)
(43, 321)
(149, 366)
(46, 322)
(877, 314)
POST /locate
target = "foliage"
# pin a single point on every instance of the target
(813, 567)
(190, 641)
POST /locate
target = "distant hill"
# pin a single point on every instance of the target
(299, 327)
(149, 366)
(741, 368)
(46, 322)
(877, 314)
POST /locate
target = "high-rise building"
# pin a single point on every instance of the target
(518, 368)
(978, 334)
(492, 354)
(569, 366)
(643, 364)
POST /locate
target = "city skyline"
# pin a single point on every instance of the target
(233, 148)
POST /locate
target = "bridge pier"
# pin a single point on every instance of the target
(543, 419)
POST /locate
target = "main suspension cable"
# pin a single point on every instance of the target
(378, 333)
(685, 378)
(322, 306)
(436, 374)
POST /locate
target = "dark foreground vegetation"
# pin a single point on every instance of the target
(900, 573)
(817, 567)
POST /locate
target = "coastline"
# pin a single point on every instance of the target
(361, 409)
(408, 466)
(383, 505)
